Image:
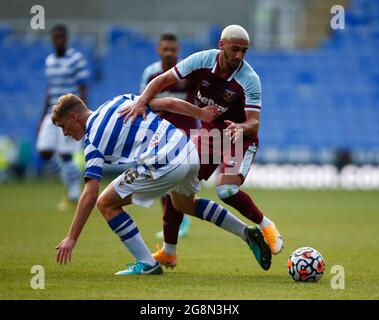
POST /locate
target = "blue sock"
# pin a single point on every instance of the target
(124, 226)
(213, 212)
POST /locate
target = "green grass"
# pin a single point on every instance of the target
(342, 225)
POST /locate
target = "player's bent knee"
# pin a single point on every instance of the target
(227, 190)
(103, 205)
(180, 206)
(184, 204)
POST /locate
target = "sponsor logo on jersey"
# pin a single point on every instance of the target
(210, 102)
(159, 133)
(229, 95)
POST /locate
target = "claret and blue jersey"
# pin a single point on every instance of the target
(153, 145)
(233, 96)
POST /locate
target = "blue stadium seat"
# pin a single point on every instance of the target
(326, 97)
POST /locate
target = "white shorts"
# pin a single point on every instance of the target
(51, 138)
(145, 190)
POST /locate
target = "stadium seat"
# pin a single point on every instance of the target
(311, 97)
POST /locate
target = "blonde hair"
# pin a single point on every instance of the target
(67, 103)
(234, 31)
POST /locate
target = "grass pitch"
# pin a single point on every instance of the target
(342, 225)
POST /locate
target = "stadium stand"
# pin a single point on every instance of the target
(316, 101)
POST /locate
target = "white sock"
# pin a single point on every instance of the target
(265, 222)
(139, 250)
(124, 226)
(169, 249)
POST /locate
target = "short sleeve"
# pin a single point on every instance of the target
(253, 94)
(190, 64)
(94, 160)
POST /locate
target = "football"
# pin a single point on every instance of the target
(306, 265)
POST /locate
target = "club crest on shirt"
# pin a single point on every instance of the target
(229, 95)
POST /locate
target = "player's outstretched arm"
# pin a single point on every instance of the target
(86, 203)
(152, 89)
(179, 106)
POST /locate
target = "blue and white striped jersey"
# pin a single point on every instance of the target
(65, 74)
(153, 146)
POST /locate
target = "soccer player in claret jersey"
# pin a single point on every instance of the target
(168, 50)
(228, 82)
(66, 71)
(158, 158)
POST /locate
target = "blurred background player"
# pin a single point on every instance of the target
(168, 50)
(228, 82)
(66, 72)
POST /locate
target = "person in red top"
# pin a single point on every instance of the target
(168, 50)
(227, 81)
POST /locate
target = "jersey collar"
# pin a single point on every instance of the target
(89, 121)
(216, 68)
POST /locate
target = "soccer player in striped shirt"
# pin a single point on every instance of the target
(228, 82)
(66, 72)
(158, 159)
(168, 50)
